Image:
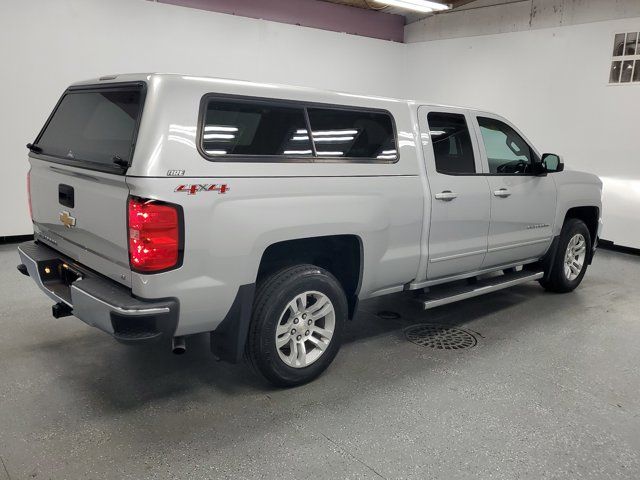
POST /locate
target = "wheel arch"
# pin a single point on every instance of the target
(590, 215)
(341, 255)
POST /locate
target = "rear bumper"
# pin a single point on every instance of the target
(97, 301)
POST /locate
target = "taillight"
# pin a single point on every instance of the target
(154, 235)
(29, 193)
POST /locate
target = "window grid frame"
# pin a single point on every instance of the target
(622, 59)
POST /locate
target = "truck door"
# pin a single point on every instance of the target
(460, 203)
(523, 205)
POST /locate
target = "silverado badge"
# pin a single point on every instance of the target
(67, 220)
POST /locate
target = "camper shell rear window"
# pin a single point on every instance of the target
(94, 127)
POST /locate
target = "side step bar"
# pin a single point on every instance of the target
(444, 295)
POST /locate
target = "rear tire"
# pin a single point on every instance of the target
(570, 263)
(296, 327)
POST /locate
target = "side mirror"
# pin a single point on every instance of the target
(552, 162)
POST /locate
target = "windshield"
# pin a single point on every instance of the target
(94, 127)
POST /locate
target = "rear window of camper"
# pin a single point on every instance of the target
(94, 128)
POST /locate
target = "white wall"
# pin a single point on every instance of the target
(552, 83)
(48, 44)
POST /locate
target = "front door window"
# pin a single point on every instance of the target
(507, 151)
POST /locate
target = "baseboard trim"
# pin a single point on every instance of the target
(609, 245)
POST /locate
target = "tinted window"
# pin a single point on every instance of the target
(241, 128)
(452, 147)
(93, 126)
(352, 134)
(507, 152)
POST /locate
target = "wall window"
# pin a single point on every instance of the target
(352, 134)
(264, 128)
(625, 64)
(507, 152)
(452, 147)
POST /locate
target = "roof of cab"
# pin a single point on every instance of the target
(146, 77)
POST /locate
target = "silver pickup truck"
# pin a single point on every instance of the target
(171, 205)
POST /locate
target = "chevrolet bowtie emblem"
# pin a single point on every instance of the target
(67, 219)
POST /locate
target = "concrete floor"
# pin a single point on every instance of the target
(550, 391)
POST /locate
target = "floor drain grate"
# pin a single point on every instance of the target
(442, 337)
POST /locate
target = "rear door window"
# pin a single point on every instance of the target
(94, 127)
(452, 147)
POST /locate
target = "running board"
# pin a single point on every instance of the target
(445, 295)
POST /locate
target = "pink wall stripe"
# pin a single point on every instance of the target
(309, 13)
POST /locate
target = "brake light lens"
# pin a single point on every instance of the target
(29, 193)
(154, 235)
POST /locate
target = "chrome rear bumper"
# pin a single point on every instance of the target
(96, 300)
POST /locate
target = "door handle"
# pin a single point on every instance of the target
(66, 195)
(446, 196)
(503, 192)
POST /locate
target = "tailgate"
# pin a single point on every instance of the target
(77, 180)
(94, 230)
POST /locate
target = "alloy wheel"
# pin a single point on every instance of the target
(305, 329)
(575, 256)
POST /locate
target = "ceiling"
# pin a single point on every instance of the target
(409, 15)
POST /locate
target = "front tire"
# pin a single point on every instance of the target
(571, 259)
(297, 323)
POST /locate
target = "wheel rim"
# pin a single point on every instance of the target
(305, 329)
(575, 256)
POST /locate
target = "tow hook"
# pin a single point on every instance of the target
(60, 310)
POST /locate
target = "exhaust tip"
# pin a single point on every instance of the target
(178, 345)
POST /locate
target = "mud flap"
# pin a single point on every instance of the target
(228, 340)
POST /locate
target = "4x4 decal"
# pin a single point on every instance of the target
(203, 187)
